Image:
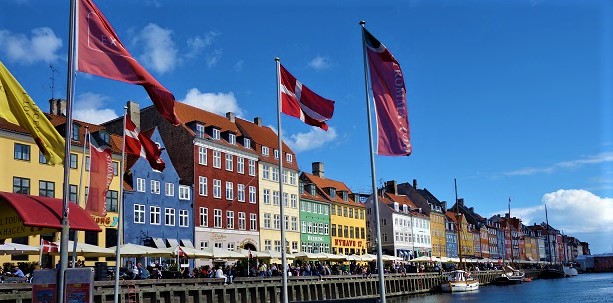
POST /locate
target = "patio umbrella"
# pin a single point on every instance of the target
(277, 254)
(18, 249)
(309, 256)
(333, 257)
(87, 250)
(421, 259)
(254, 254)
(192, 253)
(352, 258)
(368, 257)
(130, 250)
(390, 258)
(220, 253)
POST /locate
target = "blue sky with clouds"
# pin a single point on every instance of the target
(513, 98)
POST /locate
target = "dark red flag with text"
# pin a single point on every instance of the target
(100, 176)
(299, 101)
(389, 95)
(100, 52)
(140, 145)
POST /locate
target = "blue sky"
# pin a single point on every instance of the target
(513, 98)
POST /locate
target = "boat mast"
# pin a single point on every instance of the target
(458, 222)
(548, 239)
(510, 234)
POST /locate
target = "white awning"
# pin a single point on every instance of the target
(187, 243)
(172, 242)
(159, 242)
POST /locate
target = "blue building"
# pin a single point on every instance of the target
(451, 236)
(158, 210)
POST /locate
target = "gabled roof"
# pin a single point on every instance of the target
(389, 199)
(188, 113)
(323, 183)
(265, 136)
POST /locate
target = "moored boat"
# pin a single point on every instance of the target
(509, 276)
(552, 272)
(460, 281)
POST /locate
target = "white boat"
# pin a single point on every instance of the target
(570, 271)
(509, 276)
(460, 281)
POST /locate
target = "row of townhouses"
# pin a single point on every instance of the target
(220, 188)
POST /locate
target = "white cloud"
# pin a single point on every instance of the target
(218, 103)
(213, 57)
(320, 62)
(42, 46)
(89, 108)
(591, 159)
(315, 138)
(238, 66)
(570, 210)
(160, 53)
(198, 43)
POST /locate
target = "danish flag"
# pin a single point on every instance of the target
(142, 146)
(48, 247)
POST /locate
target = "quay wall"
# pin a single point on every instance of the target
(264, 290)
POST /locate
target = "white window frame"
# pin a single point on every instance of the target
(217, 188)
(294, 201)
(216, 134)
(276, 221)
(247, 142)
(155, 215)
(204, 216)
(216, 159)
(242, 221)
(240, 165)
(275, 174)
(184, 218)
(202, 156)
(289, 158)
(251, 167)
(229, 162)
(203, 183)
(266, 196)
(267, 220)
(292, 178)
(232, 139)
(229, 191)
(253, 221)
(169, 216)
(265, 150)
(184, 192)
(276, 152)
(286, 199)
(240, 193)
(140, 185)
(252, 194)
(265, 172)
(139, 213)
(169, 189)
(275, 198)
(230, 219)
(217, 218)
(294, 223)
(155, 187)
(200, 130)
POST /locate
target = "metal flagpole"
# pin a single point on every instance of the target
(284, 297)
(374, 178)
(120, 206)
(67, 148)
(76, 233)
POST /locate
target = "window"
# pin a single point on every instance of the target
(216, 159)
(231, 246)
(140, 185)
(350, 212)
(115, 168)
(332, 192)
(202, 155)
(200, 130)
(326, 229)
(303, 227)
(204, 244)
(340, 231)
(294, 201)
(22, 152)
(285, 173)
(275, 198)
(241, 193)
(183, 218)
(345, 196)
(276, 221)
(73, 194)
(139, 214)
(292, 178)
(217, 218)
(229, 162)
(232, 138)
(276, 154)
(267, 220)
(169, 189)
(303, 206)
(264, 150)
(169, 216)
(230, 219)
(87, 163)
(252, 195)
(46, 189)
(183, 192)
(74, 161)
(277, 245)
(362, 214)
(204, 216)
(217, 189)
(229, 191)
(216, 134)
(41, 158)
(346, 231)
(202, 186)
(294, 246)
(309, 227)
(325, 208)
(265, 172)
(267, 245)
(242, 221)
(253, 221)
(111, 200)
(285, 199)
(75, 132)
(252, 167)
(333, 210)
(155, 214)
(275, 174)
(267, 196)
(240, 165)
(247, 142)
(155, 187)
(288, 158)
(294, 223)
(286, 222)
(333, 229)
(218, 244)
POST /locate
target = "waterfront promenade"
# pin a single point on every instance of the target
(254, 289)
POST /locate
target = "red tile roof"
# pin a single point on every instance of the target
(389, 200)
(323, 183)
(188, 113)
(265, 136)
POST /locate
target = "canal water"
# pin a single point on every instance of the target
(584, 288)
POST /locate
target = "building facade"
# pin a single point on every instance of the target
(314, 219)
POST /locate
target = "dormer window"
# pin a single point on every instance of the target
(216, 134)
(232, 138)
(332, 191)
(200, 130)
(276, 154)
(312, 190)
(247, 142)
(396, 206)
(345, 196)
(405, 208)
(289, 158)
(265, 150)
(75, 132)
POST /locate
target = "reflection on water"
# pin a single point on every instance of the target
(584, 288)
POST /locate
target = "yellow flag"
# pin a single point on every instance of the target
(18, 108)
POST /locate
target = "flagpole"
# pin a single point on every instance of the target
(67, 148)
(76, 233)
(40, 257)
(120, 206)
(284, 295)
(374, 178)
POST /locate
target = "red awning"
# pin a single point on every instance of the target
(45, 212)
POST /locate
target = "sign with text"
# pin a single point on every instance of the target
(43, 286)
(79, 285)
(11, 225)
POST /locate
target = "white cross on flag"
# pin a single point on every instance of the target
(142, 146)
(299, 101)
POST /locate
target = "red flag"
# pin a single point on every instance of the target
(140, 145)
(100, 177)
(100, 52)
(299, 101)
(49, 247)
(389, 95)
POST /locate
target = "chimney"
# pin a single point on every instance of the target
(230, 116)
(444, 203)
(134, 111)
(257, 121)
(391, 187)
(415, 183)
(472, 209)
(57, 107)
(318, 169)
(461, 201)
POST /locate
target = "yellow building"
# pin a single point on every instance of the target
(467, 246)
(438, 234)
(23, 170)
(347, 216)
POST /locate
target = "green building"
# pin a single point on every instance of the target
(314, 220)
